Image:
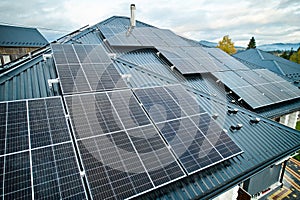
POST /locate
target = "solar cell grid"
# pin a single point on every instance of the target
(191, 140)
(16, 127)
(155, 155)
(93, 72)
(159, 105)
(113, 172)
(54, 172)
(129, 110)
(17, 181)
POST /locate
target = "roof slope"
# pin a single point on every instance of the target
(263, 143)
(12, 36)
(255, 58)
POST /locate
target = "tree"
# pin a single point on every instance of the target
(226, 45)
(252, 44)
(284, 55)
(295, 57)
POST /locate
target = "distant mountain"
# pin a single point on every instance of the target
(279, 46)
(208, 43)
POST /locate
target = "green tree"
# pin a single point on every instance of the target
(252, 44)
(284, 55)
(295, 57)
(227, 45)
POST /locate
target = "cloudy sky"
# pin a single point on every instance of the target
(269, 21)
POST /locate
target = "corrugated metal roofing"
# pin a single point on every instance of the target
(30, 80)
(263, 144)
(12, 36)
(255, 58)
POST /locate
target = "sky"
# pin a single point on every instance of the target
(268, 21)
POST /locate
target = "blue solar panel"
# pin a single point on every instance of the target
(92, 71)
(258, 88)
(130, 156)
(38, 151)
(197, 141)
(113, 171)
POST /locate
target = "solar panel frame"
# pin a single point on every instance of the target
(20, 163)
(183, 135)
(94, 70)
(132, 133)
(258, 88)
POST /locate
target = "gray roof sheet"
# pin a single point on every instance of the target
(12, 36)
(263, 144)
(255, 58)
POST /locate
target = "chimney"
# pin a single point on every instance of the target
(132, 17)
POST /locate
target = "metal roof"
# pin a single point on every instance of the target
(263, 144)
(12, 36)
(28, 78)
(255, 58)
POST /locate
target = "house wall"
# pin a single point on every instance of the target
(290, 120)
(13, 53)
(263, 180)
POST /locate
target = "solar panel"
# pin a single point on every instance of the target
(142, 36)
(226, 59)
(113, 171)
(55, 173)
(258, 88)
(16, 178)
(205, 61)
(197, 141)
(38, 159)
(191, 60)
(231, 79)
(85, 68)
(16, 128)
(159, 104)
(122, 152)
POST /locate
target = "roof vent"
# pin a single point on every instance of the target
(45, 56)
(126, 77)
(132, 15)
(255, 120)
(51, 81)
(215, 116)
(237, 127)
(233, 111)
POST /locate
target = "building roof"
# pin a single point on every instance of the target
(12, 36)
(256, 58)
(263, 143)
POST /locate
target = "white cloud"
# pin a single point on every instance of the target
(268, 21)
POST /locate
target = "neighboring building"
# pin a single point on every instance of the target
(123, 109)
(258, 59)
(16, 42)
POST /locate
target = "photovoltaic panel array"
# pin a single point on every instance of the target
(122, 152)
(191, 60)
(195, 138)
(230, 62)
(37, 158)
(188, 59)
(142, 37)
(85, 68)
(259, 87)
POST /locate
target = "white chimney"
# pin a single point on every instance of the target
(132, 17)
